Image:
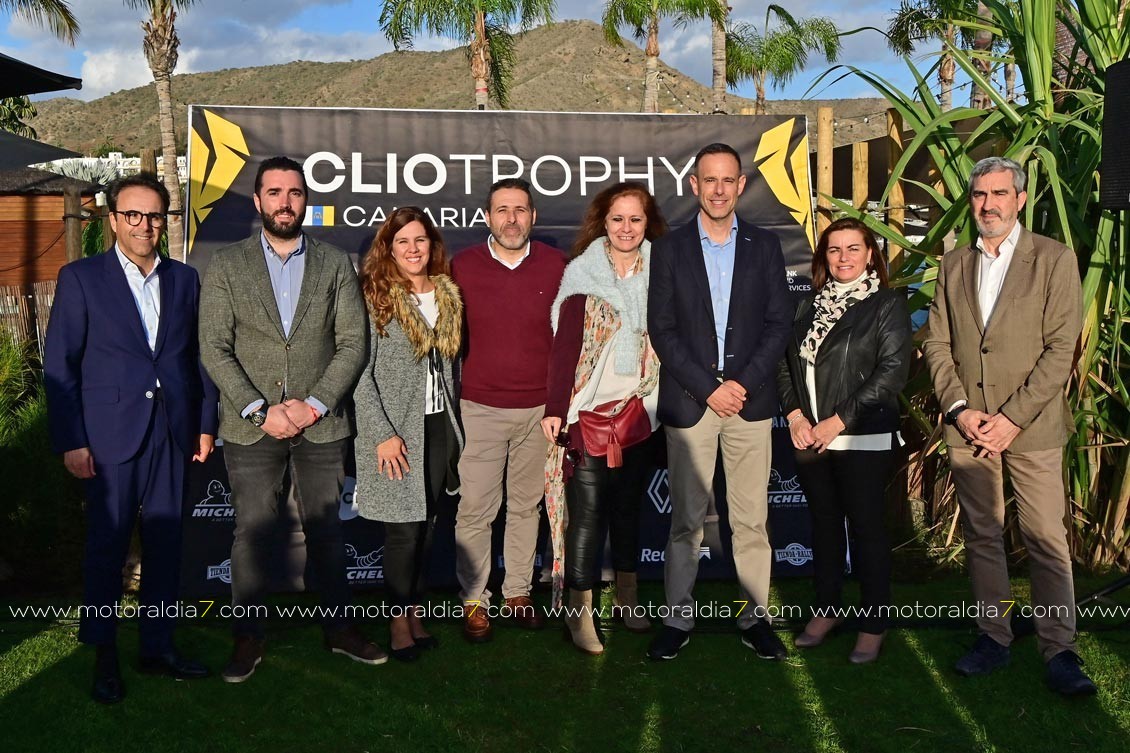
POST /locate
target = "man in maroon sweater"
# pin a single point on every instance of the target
(508, 285)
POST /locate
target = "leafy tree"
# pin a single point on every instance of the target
(13, 112)
(484, 25)
(777, 54)
(945, 20)
(643, 17)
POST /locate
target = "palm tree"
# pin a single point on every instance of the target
(777, 54)
(54, 14)
(918, 20)
(161, 46)
(643, 17)
(57, 17)
(484, 25)
(718, 61)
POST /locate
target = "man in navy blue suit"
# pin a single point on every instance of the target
(129, 404)
(719, 316)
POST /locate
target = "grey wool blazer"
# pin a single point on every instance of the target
(389, 400)
(245, 352)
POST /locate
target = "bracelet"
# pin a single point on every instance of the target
(795, 418)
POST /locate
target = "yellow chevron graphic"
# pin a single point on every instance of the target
(796, 197)
(211, 178)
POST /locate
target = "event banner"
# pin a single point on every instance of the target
(361, 164)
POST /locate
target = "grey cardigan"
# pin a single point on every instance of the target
(389, 401)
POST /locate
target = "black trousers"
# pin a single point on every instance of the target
(408, 546)
(256, 472)
(596, 496)
(851, 485)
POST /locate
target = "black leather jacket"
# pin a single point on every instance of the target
(861, 366)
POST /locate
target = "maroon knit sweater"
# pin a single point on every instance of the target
(508, 339)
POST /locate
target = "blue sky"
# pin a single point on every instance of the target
(218, 34)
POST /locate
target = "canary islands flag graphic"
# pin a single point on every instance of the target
(319, 216)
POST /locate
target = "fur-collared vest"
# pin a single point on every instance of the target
(389, 401)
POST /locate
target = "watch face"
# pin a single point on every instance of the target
(258, 417)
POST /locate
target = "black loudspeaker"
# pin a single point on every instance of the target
(1115, 191)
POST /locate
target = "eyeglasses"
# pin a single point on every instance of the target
(572, 454)
(133, 218)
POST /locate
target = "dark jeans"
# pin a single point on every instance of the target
(849, 484)
(598, 495)
(408, 546)
(256, 472)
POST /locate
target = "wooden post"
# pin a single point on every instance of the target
(896, 208)
(108, 238)
(148, 160)
(72, 222)
(824, 148)
(747, 111)
(859, 175)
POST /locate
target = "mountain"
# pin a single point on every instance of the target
(566, 66)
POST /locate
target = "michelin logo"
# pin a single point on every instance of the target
(220, 572)
(367, 568)
(217, 504)
(794, 554)
(785, 492)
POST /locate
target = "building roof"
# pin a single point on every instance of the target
(28, 180)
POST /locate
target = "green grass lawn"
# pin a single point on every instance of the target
(529, 691)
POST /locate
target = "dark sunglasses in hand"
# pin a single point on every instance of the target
(572, 454)
(133, 218)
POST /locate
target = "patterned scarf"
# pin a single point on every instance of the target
(831, 302)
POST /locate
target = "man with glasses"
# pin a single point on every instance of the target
(128, 405)
(283, 333)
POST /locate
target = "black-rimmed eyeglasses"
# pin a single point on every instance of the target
(133, 218)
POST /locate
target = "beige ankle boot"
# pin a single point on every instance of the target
(625, 604)
(578, 619)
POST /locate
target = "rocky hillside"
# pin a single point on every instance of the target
(566, 66)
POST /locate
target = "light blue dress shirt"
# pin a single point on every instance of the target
(286, 283)
(719, 258)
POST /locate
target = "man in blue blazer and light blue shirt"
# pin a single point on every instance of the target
(719, 316)
(129, 404)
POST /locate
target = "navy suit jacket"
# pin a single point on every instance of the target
(681, 323)
(98, 367)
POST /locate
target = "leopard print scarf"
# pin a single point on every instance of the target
(830, 304)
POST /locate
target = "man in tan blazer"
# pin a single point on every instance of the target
(283, 335)
(1006, 316)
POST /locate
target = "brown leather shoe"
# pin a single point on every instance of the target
(476, 624)
(350, 642)
(246, 655)
(524, 613)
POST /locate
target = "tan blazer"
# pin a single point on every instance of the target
(245, 352)
(1020, 363)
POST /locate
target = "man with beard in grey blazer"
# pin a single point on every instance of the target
(283, 335)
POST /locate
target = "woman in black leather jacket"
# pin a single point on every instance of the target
(839, 385)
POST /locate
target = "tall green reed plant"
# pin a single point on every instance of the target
(1054, 128)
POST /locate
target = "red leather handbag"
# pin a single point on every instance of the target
(605, 435)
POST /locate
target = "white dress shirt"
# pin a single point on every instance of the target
(146, 290)
(991, 271)
(497, 258)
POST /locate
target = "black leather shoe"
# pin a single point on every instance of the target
(986, 656)
(668, 643)
(760, 637)
(108, 687)
(426, 643)
(173, 664)
(1065, 677)
(409, 653)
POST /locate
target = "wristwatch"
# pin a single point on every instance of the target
(951, 417)
(257, 417)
